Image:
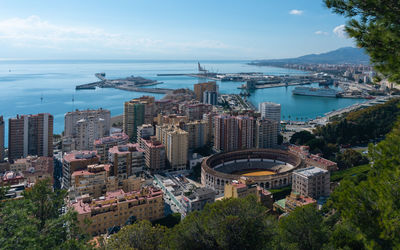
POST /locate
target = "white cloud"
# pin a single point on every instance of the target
(34, 32)
(340, 31)
(320, 32)
(296, 12)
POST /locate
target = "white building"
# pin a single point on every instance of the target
(312, 182)
(144, 131)
(270, 110)
(84, 127)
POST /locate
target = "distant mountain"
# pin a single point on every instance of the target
(349, 55)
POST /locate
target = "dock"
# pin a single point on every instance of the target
(132, 83)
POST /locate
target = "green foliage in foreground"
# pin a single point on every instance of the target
(169, 221)
(375, 26)
(35, 221)
(372, 207)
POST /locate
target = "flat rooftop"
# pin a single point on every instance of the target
(310, 171)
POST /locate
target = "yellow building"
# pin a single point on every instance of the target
(239, 189)
(116, 208)
(198, 133)
(171, 119)
(244, 187)
(176, 145)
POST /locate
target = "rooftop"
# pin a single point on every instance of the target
(112, 138)
(125, 149)
(310, 171)
(80, 156)
(92, 170)
(85, 204)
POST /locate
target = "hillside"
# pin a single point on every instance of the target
(344, 55)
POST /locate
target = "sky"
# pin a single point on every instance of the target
(168, 29)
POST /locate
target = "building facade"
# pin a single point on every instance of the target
(243, 187)
(270, 111)
(312, 182)
(74, 161)
(126, 160)
(210, 97)
(155, 155)
(197, 200)
(93, 181)
(103, 144)
(34, 168)
(137, 112)
(266, 133)
(225, 133)
(116, 208)
(144, 132)
(176, 145)
(197, 133)
(245, 132)
(83, 127)
(30, 135)
(200, 88)
(195, 111)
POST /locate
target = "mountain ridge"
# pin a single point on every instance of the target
(344, 55)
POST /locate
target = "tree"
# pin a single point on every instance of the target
(371, 208)
(350, 158)
(228, 224)
(302, 229)
(301, 137)
(141, 235)
(375, 26)
(36, 222)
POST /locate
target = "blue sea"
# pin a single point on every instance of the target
(29, 87)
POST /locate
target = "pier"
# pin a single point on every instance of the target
(132, 83)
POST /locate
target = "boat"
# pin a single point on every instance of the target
(310, 91)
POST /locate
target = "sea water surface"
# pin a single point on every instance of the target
(30, 87)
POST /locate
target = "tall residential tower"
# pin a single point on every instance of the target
(30, 135)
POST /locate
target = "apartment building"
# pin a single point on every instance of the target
(30, 135)
(118, 207)
(103, 144)
(313, 182)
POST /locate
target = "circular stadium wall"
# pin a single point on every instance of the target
(269, 168)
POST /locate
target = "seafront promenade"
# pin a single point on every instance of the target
(327, 116)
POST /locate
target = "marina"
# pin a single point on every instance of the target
(34, 87)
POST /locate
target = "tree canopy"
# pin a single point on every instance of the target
(36, 221)
(375, 25)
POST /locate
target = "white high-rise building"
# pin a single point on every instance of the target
(86, 126)
(270, 110)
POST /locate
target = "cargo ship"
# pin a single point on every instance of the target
(323, 92)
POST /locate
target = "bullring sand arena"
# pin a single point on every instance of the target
(269, 168)
(254, 172)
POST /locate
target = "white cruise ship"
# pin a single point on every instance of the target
(324, 92)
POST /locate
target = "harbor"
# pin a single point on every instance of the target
(131, 83)
(54, 90)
